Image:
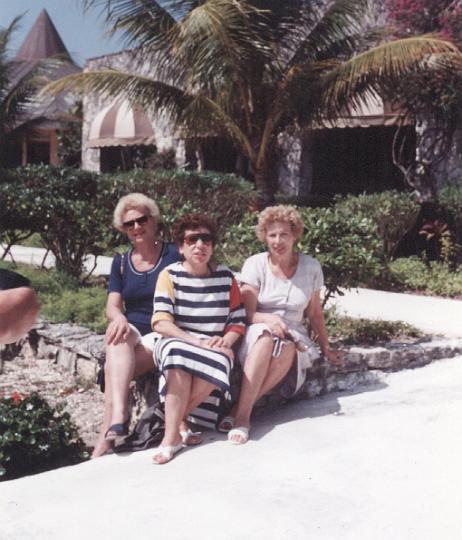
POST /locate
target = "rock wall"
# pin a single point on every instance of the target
(79, 351)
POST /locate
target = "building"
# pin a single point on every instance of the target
(35, 139)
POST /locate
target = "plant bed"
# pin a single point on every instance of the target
(36, 437)
(344, 330)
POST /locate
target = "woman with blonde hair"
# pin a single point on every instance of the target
(129, 338)
(279, 288)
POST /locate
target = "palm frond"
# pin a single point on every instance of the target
(378, 69)
(218, 40)
(141, 90)
(203, 116)
(331, 30)
(141, 22)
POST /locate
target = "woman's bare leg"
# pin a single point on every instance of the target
(179, 385)
(277, 369)
(124, 361)
(255, 372)
(200, 391)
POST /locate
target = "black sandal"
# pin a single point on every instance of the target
(116, 431)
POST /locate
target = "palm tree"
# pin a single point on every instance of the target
(250, 68)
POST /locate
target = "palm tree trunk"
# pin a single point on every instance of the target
(265, 191)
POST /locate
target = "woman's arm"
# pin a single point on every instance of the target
(250, 299)
(315, 315)
(167, 328)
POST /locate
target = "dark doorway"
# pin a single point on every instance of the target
(38, 153)
(356, 160)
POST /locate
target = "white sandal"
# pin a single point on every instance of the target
(191, 438)
(167, 453)
(242, 432)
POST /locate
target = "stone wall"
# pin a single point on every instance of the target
(79, 351)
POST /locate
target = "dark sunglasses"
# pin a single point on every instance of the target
(130, 224)
(192, 239)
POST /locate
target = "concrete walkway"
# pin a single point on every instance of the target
(39, 257)
(431, 314)
(382, 464)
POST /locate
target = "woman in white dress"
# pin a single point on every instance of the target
(279, 288)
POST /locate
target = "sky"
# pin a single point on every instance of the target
(82, 33)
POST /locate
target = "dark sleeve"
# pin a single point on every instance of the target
(115, 277)
(12, 280)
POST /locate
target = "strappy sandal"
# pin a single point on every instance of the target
(191, 438)
(116, 431)
(167, 453)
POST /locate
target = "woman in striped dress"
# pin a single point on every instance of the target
(198, 311)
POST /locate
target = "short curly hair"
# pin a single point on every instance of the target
(286, 214)
(135, 201)
(192, 222)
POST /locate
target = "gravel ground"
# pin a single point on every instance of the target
(83, 399)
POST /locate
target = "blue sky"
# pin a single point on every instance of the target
(82, 33)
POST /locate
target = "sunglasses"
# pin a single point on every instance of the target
(192, 239)
(130, 224)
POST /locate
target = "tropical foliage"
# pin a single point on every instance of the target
(247, 69)
(432, 96)
(423, 16)
(36, 437)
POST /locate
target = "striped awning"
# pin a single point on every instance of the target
(120, 124)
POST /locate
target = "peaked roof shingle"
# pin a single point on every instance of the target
(42, 41)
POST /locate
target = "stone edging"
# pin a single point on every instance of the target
(79, 350)
(365, 364)
(75, 348)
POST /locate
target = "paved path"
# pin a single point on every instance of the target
(39, 256)
(430, 314)
(383, 464)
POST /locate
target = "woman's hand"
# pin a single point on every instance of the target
(117, 330)
(218, 343)
(277, 326)
(335, 357)
(214, 342)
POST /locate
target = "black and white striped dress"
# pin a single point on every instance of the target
(203, 307)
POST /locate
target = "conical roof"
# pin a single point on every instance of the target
(42, 41)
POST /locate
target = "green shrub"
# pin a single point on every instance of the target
(226, 197)
(72, 209)
(393, 212)
(349, 330)
(239, 242)
(36, 437)
(450, 200)
(85, 306)
(63, 300)
(64, 206)
(346, 245)
(413, 274)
